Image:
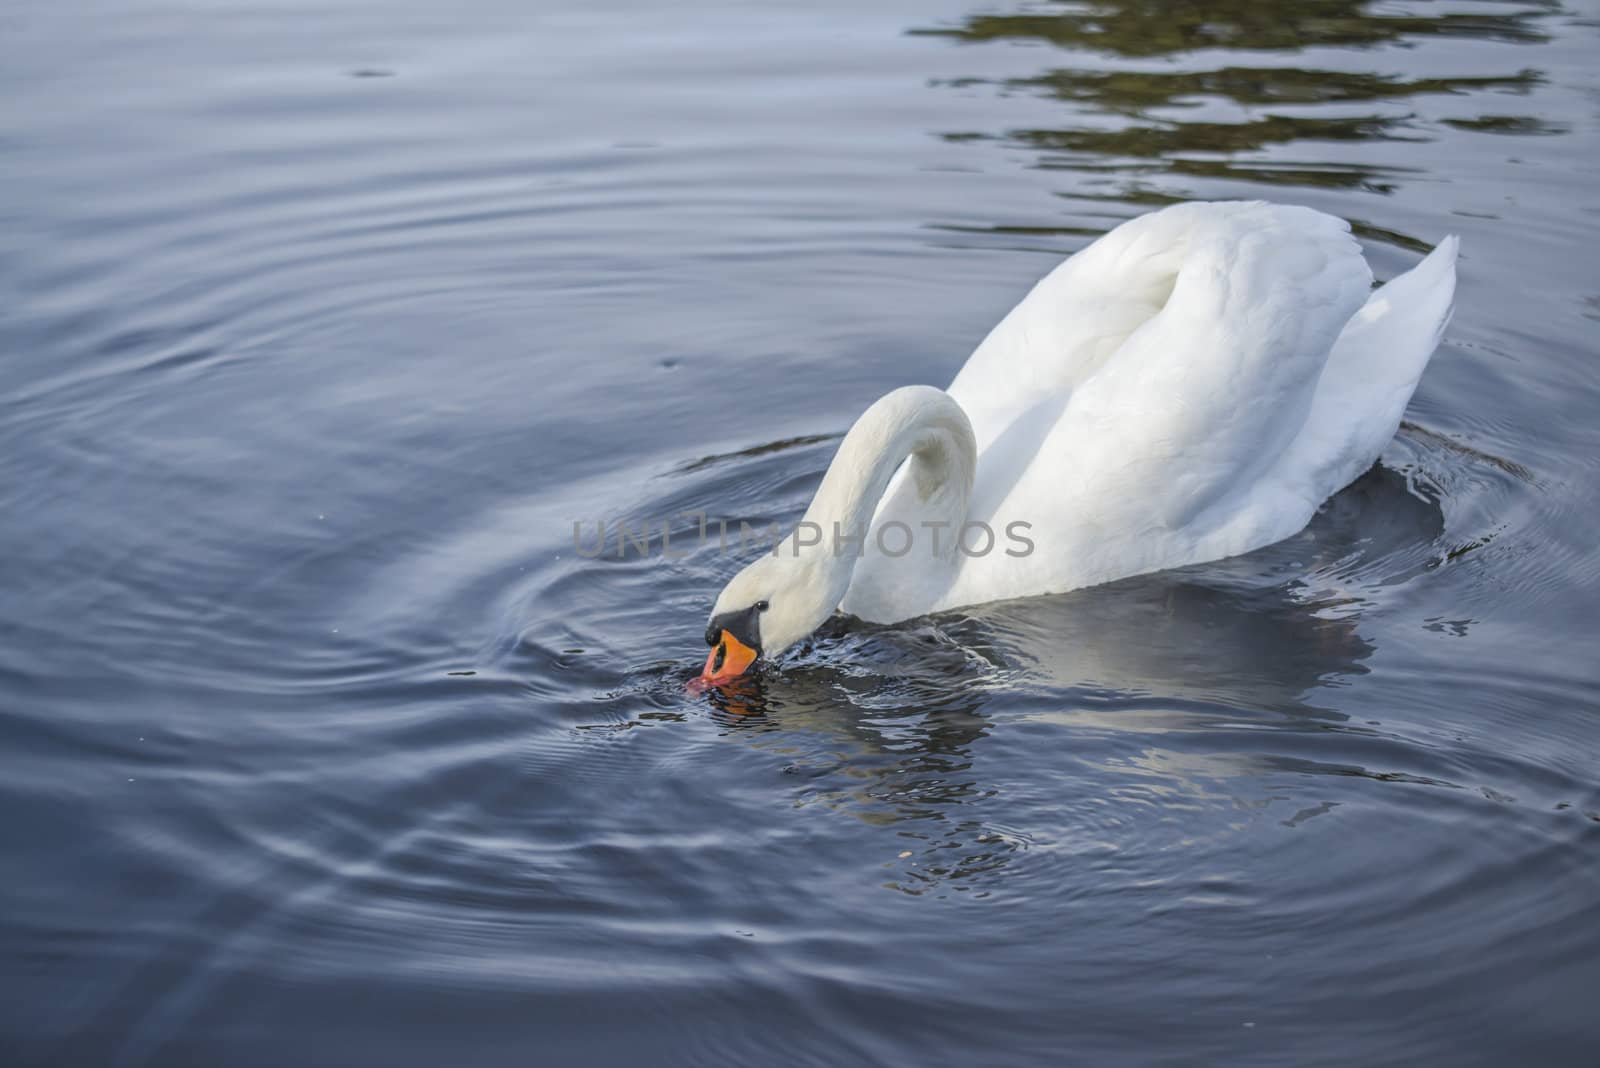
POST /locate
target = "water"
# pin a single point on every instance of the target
(323, 322)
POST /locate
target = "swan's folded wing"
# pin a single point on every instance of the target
(1202, 399)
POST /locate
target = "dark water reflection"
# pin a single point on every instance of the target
(324, 745)
(1166, 114)
(1143, 28)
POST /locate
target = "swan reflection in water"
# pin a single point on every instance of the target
(1144, 679)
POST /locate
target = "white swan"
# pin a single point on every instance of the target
(1190, 386)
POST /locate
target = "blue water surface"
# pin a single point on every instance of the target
(322, 322)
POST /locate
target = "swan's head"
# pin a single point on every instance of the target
(762, 611)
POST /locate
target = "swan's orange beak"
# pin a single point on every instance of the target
(729, 658)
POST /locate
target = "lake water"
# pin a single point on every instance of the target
(323, 322)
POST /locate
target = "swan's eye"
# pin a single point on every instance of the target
(762, 606)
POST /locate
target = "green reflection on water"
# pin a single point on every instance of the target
(1231, 122)
(1135, 91)
(1160, 27)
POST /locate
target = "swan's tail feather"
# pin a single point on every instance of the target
(1401, 324)
(1371, 373)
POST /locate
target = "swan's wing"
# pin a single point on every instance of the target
(1370, 376)
(1202, 398)
(1206, 396)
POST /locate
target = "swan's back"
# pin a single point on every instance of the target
(1080, 316)
(1205, 395)
(1190, 386)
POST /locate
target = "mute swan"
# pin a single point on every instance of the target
(1190, 386)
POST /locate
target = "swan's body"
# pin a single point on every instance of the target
(1190, 386)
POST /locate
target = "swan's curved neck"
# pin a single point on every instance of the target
(918, 423)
